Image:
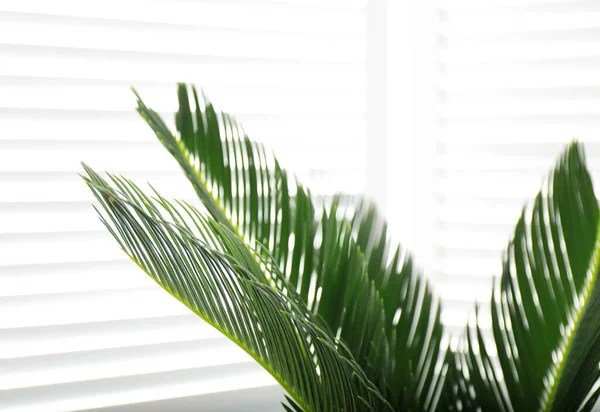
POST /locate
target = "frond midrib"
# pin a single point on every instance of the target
(556, 373)
(219, 214)
(215, 208)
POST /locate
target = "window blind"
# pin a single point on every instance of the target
(80, 326)
(516, 83)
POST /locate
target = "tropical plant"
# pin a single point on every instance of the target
(544, 309)
(319, 296)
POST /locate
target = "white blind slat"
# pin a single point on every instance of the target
(508, 20)
(346, 19)
(138, 388)
(265, 399)
(30, 30)
(130, 67)
(126, 361)
(61, 125)
(119, 98)
(46, 340)
(31, 279)
(91, 306)
(255, 399)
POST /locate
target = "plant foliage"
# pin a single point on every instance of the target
(322, 299)
(545, 321)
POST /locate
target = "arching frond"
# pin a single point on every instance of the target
(208, 268)
(546, 306)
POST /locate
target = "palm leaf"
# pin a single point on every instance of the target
(412, 315)
(209, 269)
(354, 291)
(545, 307)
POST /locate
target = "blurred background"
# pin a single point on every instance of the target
(448, 113)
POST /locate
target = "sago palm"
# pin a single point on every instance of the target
(320, 297)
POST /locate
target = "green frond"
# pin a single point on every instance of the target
(546, 307)
(412, 315)
(351, 312)
(375, 303)
(208, 268)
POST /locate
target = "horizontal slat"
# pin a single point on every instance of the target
(557, 93)
(449, 264)
(28, 279)
(492, 254)
(496, 185)
(472, 214)
(562, 122)
(540, 135)
(36, 61)
(510, 200)
(23, 218)
(266, 399)
(470, 255)
(571, 72)
(473, 241)
(515, 163)
(98, 34)
(44, 156)
(108, 96)
(139, 388)
(523, 106)
(116, 362)
(36, 248)
(518, 19)
(98, 306)
(128, 126)
(302, 17)
(477, 283)
(51, 157)
(530, 36)
(47, 340)
(23, 192)
(530, 48)
(587, 120)
(526, 150)
(512, 4)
